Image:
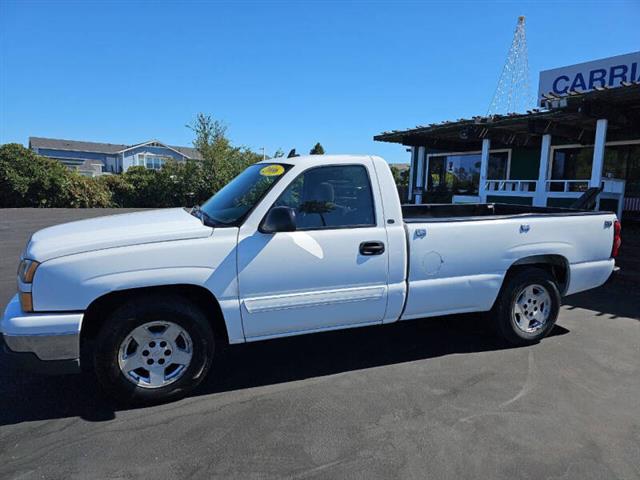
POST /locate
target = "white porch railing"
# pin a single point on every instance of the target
(559, 189)
(574, 186)
(495, 186)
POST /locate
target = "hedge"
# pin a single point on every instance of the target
(30, 180)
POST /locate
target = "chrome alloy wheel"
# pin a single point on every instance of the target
(155, 354)
(532, 308)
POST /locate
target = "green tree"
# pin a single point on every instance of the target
(221, 161)
(182, 180)
(317, 149)
(29, 180)
(401, 176)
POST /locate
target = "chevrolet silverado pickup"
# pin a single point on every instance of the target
(305, 245)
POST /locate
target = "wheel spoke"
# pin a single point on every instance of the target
(132, 362)
(141, 335)
(156, 376)
(519, 313)
(180, 357)
(172, 332)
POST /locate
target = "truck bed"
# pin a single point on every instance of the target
(482, 211)
(459, 254)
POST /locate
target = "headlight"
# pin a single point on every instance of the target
(26, 270)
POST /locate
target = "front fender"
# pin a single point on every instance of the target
(100, 285)
(73, 282)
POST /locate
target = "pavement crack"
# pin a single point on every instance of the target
(528, 385)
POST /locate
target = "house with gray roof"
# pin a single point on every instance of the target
(93, 158)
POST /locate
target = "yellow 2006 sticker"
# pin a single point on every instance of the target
(272, 171)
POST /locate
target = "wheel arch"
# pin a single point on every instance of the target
(556, 265)
(99, 309)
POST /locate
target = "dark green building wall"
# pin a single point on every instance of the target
(525, 164)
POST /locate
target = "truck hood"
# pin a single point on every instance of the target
(115, 231)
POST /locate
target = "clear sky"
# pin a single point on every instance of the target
(280, 74)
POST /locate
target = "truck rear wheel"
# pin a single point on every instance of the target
(527, 308)
(153, 349)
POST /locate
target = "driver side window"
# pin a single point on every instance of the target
(331, 197)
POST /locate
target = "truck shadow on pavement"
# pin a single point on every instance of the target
(613, 300)
(28, 397)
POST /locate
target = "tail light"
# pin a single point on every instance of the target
(617, 239)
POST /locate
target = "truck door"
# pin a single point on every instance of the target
(331, 271)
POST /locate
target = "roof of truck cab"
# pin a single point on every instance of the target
(311, 160)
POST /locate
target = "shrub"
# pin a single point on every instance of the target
(84, 192)
(29, 180)
(143, 187)
(122, 192)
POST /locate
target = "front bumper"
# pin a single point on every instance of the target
(40, 341)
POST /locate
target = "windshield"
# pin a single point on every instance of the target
(233, 202)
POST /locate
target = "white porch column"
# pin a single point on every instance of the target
(484, 169)
(540, 199)
(598, 153)
(420, 173)
(412, 166)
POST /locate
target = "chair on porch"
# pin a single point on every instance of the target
(588, 200)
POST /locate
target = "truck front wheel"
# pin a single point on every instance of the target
(153, 349)
(528, 307)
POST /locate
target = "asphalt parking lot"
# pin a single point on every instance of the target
(437, 398)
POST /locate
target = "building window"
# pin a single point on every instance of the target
(572, 163)
(138, 160)
(149, 160)
(498, 166)
(575, 163)
(623, 161)
(460, 173)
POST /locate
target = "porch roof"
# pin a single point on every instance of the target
(571, 118)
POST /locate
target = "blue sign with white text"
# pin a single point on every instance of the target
(583, 77)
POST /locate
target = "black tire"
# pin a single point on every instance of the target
(502, 316)
(139, 311)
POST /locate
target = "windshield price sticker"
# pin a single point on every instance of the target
(272, 171)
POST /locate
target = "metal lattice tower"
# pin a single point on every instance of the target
(513, 93)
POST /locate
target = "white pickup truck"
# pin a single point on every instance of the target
(299, 246)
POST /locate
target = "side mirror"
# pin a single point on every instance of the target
(279, 219)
